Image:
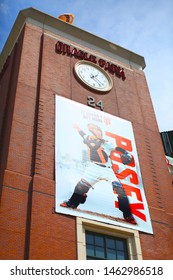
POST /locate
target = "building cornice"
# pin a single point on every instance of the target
(71, 32)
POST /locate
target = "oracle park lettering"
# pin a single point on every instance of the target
(65, 49)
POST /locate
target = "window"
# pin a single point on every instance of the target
(96, 240)
(105, 247)
(167, 140)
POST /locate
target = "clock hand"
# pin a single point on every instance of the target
(98, 81)
(95, 79)
(93, 76)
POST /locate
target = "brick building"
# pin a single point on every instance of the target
(37, 64)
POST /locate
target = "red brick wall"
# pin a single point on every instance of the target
(28, 193)
(28, 180)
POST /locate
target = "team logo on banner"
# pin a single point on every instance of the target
(97, 168)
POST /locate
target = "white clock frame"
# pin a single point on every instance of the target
(93, 76)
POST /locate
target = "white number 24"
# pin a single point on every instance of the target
(93, 103)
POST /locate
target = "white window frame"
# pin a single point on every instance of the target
(131, 236)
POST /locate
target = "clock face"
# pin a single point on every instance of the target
(93, 76)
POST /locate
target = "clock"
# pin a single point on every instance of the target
(93, 76)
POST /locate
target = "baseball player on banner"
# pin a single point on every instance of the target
(100, 168)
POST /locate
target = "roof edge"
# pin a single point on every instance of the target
(46, 21)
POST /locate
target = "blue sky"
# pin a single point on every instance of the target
(142, 26)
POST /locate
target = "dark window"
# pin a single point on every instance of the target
(105, 247)
(167, 140)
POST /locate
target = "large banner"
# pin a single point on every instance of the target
(97, 168)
